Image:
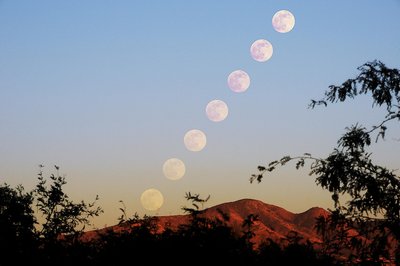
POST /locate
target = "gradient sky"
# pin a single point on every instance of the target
(107, 90)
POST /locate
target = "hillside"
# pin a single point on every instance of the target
(274, 222)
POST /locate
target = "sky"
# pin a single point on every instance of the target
(107, 90)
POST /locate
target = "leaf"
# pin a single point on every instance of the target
(272, 163)
(285, 159)
(300, 163)
(261, 168)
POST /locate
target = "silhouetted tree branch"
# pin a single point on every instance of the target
(61, 215)
(373, 209)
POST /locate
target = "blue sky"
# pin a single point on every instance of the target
(107, 90)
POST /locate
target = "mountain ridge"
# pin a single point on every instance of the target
(273, 222)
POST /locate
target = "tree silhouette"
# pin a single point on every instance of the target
(373, 208)
(57, 240)
(61, 215)
(52, 239)
(17, 236)
(248, 229)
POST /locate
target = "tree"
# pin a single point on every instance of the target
(53, 240)
(62, 216)
(63, 221)
(373, 208)
(17, 236)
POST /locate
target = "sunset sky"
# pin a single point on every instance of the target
(107, 90)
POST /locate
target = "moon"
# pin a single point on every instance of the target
(217, 110)
(195, 140)
(152, 199)
(238, 81)
(261, 50)
(174, 169)
(283, 21)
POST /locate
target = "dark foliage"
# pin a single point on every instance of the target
(137, 241)
(366, 228)
(203, 241)
(24, 239)
(17, 238)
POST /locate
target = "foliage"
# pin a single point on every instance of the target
(139, 240)
(196, 200)
(17, 238)
(203, 240)
(27, 239)
(372, 214)
(248, 226)
(62, 216)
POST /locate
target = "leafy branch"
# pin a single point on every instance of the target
(381, 82)
(196, 200)
(373, 208)
(61, 215)
(300, 162)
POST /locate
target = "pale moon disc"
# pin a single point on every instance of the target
(217, 110)
(283, 21)
(195, 140)
(261, 50)
(238, 81)
(152, 199)
(174, 169)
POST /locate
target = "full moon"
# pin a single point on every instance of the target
(238, 81)
(174, 169)
(216, 110)
(283, 21)
(152, 199)
(195, 140)
(261, 50)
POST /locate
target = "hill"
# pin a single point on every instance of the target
(273, 222)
